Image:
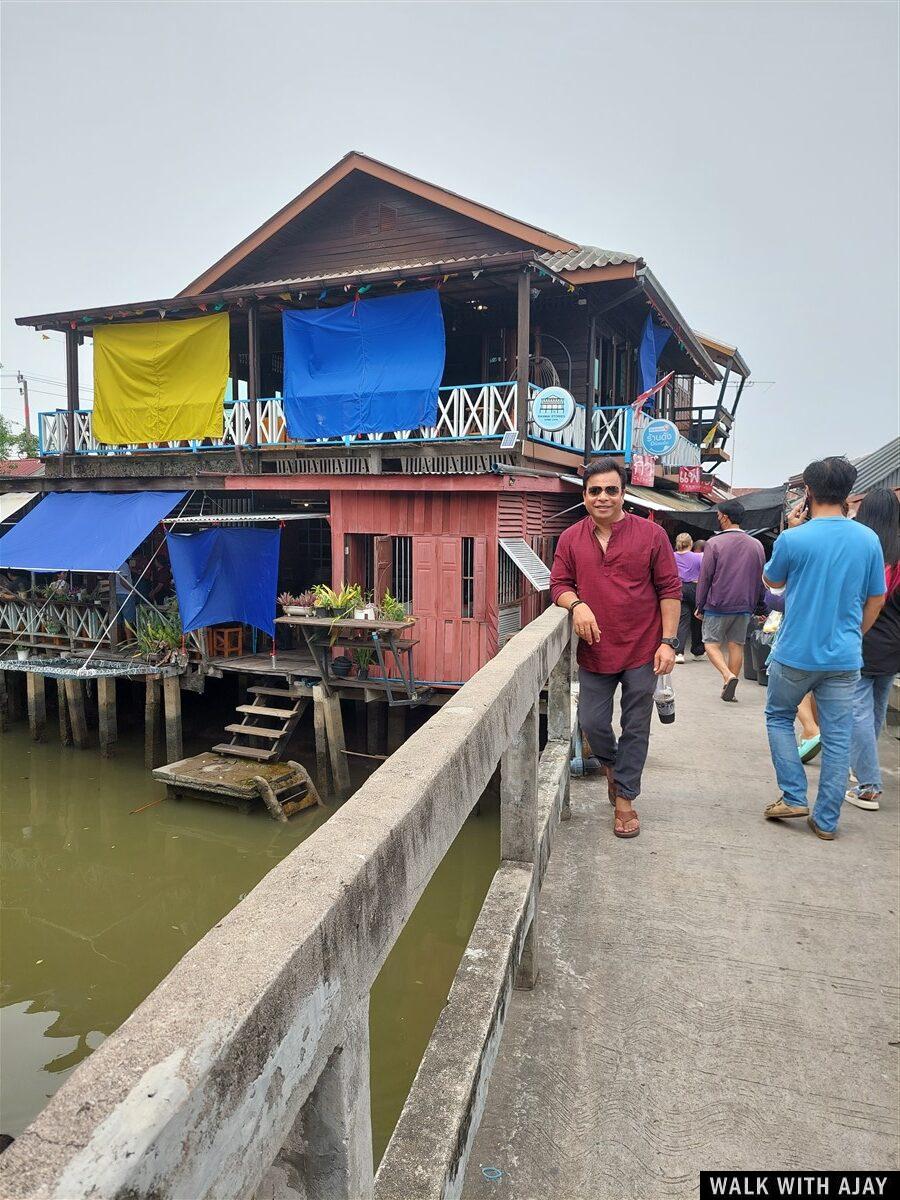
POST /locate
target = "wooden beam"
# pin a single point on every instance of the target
(321, 739)
(172, 700)
(72, 339)
(106, 714)
(523, 337)
(253, 370)
(75, 702)
(334, 728)
(590, 390)
(37, 705)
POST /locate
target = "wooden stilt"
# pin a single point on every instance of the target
(268, 796)
(37, 705)
(65, 727)
(106, 714)
(334, 728)
(75, 701)
(151, 723)
(321, 738)
(14, 695)
(172, 699)
(4, 703)
(396, 728)
(376, 727)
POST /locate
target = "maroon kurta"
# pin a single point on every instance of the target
(622, 587)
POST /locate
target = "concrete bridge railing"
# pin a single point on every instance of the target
(246, 1072)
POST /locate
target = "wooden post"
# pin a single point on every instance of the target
(65, 727)
(37, 704)
(590, 391)
(172, 699)
(75, 699)
(376, 727)
(253, 371)
(4, 703)
(112, 608)
(334, 728)
(106, 714)
(321, 738)
(151, 723)
(396, 727)
(14, 695)
(518, 822)
(72, 339)
(523, 311)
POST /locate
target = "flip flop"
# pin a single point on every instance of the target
(729, 689)
(623, 819)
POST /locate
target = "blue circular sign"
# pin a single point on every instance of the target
(552, 409)
(659, 437)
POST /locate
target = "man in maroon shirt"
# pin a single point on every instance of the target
(617, 576)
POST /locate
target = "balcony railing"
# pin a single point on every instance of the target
(474, 412)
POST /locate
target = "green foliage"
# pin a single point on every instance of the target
(340, 603)
(156, 632)
(391, 609)
(16, 445)
(363, 656)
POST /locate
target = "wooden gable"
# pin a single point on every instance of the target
(364, 223)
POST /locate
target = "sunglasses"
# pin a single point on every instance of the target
(612, 489)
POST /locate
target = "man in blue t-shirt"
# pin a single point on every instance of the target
(832, 573)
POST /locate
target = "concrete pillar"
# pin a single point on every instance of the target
(151, 723)
(62, 710)
(172, 699)
(559, 712)
(75, 704)
(518, 821)
(330, 1146)
(37, 705)
(106, 714)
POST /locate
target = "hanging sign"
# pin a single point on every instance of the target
(659, 437)
(552, 409)
(690, 479)
(643, 470)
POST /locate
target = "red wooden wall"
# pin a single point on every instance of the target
(451, 647)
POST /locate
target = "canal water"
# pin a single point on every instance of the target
(99, 901)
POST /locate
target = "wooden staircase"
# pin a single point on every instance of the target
(265, 725)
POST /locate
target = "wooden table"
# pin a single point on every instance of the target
(323, 634)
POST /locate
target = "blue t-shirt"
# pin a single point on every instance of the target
(830, 566)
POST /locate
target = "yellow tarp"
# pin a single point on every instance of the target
(162, 381)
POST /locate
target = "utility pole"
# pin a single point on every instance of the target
(23, 392)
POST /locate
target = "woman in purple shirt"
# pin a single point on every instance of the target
(688, 563)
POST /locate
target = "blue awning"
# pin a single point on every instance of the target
(371, 366)
(84, 531)
(226, 575)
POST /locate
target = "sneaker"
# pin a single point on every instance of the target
(809, 748)
(863, 797)
(679, 658)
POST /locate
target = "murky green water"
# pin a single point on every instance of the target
(98, 904)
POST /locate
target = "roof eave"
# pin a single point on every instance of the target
(706, 368)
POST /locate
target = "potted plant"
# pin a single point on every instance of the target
(337, 604)
(54, 631)
(391, 609)
(363, 656)
(297, 606)
(341, 666)
(157, 635)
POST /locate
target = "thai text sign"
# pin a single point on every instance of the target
(659, 437)
(690, 479)
(643, 470)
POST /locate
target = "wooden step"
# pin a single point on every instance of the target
(244, 752)
(283, 714)
(282, 693)
(255, 731)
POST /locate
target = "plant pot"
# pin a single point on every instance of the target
(341, 666)
(296, 610)
(22, 654)
(362, 672)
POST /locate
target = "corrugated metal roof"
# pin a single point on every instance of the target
(663, 501)
(583, 257)
(881, 468)
(370, 270)
(533, 568)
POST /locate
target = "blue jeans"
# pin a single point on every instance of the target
(833, 691)
(870, 703)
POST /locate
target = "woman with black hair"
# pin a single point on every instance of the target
(880, 511)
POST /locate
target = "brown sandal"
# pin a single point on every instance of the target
(622, 819)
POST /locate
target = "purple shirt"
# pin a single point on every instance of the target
(688, 564)
(731, 576)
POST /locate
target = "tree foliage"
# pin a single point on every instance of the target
(16, 445)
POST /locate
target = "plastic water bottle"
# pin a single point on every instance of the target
(664, 698)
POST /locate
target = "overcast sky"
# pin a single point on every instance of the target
(747, 151)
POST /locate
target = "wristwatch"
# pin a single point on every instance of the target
(673, 642)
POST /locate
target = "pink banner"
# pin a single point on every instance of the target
(643, 470)
(690, 479)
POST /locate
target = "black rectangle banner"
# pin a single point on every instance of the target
(851, 1184)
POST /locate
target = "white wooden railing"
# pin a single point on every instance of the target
(43, 621)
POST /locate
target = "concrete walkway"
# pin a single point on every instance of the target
(719, 993)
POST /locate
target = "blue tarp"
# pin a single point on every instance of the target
(84, 531)
(226, 575)
(653, 340)
(371, 366)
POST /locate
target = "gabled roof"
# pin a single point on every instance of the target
(881, 468)
(542, 239)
